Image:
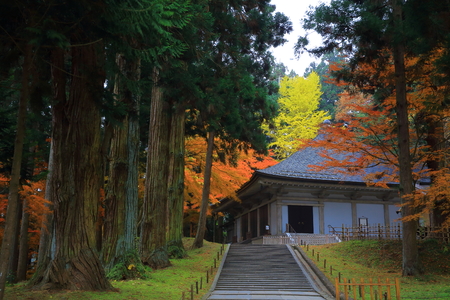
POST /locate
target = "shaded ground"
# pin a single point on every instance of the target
(162, 285)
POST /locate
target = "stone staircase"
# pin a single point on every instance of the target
(253, 271)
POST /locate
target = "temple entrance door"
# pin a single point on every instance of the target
(301, 218)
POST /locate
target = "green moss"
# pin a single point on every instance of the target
(129, 267)
(164, 284)
(176, 249)
(383, 259)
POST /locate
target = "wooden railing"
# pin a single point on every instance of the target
(281, 240)
(320, 239)
(438, 233)
(300, 239)
(390, 232)
(289, 228)
(379, 290)
(377, 231)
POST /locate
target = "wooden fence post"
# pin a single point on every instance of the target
(397, 288)
(336, 284)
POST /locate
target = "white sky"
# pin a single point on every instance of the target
(296, 10)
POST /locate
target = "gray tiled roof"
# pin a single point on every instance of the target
(298, 166)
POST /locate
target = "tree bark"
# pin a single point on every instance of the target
(76, 178)
(201, 227)
(411, 263)
(9, 237)
(176, 184)
(153, 241)
(23, 244)
(435, 140)
(121, 201)
(14, 257)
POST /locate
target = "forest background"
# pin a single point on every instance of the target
(122, 122)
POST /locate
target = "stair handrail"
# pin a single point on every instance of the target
(332, 229)
(289, 228)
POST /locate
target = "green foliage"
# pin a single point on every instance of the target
(7, 135)
(129, 267)
(330, 91)
(298, 117)
(176, 250)
(235, 85)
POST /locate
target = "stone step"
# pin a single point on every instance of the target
(262, 272)
(261, 267)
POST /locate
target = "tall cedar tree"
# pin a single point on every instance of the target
(76, 121)
(153, 246)
(9, 237)
(237, 85)
(17, 53)
(121, 193)
(360, 30)
(87, 61)
(178, 83)
(165, 149)
(428, 114)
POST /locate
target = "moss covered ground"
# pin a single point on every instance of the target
(165, 284)
(383, 259)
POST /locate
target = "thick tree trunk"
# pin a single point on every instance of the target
(201, 227)
(9, 237)
(435, 140)
(411, 263)
(14, 257)
(176, 184)
(121, 201)
(75, 264)
(153, 241)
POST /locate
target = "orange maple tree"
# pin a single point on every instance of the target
(365, 133)
(229, 172)
(36, 207)
(32, 193)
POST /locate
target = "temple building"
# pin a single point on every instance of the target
(291, 197)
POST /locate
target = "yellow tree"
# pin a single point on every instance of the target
(299, 117)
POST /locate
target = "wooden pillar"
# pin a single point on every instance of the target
(258, 222)
(249, 225)
(321, 218)
(354, 215)
(387, 220)
(279, 218)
